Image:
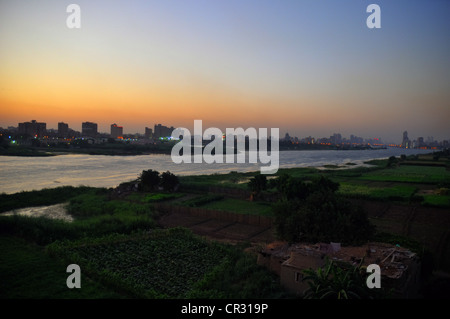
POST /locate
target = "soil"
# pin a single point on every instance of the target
(222, 230)
(428, 225)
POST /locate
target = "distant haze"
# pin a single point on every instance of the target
(306, 67)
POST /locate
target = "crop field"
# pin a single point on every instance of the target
(162, 264)
(239, 206)
(410, 174)
(153, 198)
(436, 200)
(397, 192)
(28, 272)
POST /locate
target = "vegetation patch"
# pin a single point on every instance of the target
(239, 206)
(27, 272)
(201, 200)
(171, 263)
(42, 197)
(410, 174)
(398, 192)
(436, 200)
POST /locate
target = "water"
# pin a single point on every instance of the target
(34, 173)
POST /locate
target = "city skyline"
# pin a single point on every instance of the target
(307, 68)
(116, 131)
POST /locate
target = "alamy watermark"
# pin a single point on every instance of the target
(74, 280)
(374, 279)
(213, 152)
(73, 21)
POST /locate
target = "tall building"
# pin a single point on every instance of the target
(33, 128)
(336, 138)
(162, 131)
(420, 142)
(406, 143)
(89, 129)
(116, 131)
(63, 129)
(148, 132)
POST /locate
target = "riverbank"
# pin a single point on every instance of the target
(27, 174)
(123, 149)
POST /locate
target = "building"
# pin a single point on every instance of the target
(148, 132)
(400, 268)
(162, 131)
(89, 129)
(336, 139)
(33, 128)
(63, 129)
(406, 143)
(116, 131)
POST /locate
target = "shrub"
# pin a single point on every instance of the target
(169, 181)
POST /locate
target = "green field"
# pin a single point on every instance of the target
(398, 192)
(409, 174)
(436, 200)
(122, 254)
(27, 272)
(163, 264)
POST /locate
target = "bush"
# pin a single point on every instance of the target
(149, 180)
(258, 183)
(169, 181)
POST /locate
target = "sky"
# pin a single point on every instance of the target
(307, 67)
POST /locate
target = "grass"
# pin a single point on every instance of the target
(201, 200)
(43, 197)
(436, 200)
(153, 198)
(94, 215)
(409, 174)
(240, 207)
(397, 192)
(230, 180)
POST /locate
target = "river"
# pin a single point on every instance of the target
(35, 173)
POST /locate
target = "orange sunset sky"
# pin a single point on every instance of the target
(306, 67)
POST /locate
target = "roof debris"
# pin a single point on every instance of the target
(392, 259)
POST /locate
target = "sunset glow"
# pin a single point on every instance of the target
(305, 67)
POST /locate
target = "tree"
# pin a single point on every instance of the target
(392, 161)
(258, 184)
(291, 188)
(169, 181)
(149, 180)
(313, 212)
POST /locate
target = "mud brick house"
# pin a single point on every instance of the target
(400, 268)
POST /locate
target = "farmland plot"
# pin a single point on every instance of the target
(163, 264)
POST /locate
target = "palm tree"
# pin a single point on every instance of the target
(336, 282)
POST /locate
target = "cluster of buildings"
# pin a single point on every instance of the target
(421, 143)
(34, 129)
(337, 140)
